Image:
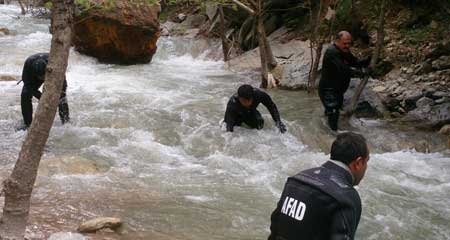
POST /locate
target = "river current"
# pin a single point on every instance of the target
(145, 144)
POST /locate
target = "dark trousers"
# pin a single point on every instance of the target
(332, 102)
(27, 105)
(251, 118)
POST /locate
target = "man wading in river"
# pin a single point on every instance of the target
(321, 203)
(241, 108)
(336, 73)
(33, 76)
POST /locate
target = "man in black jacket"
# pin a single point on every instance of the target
(321, 203)
(336, 73)
(241, 108)
(33, 76)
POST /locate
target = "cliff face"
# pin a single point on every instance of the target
(124, 32)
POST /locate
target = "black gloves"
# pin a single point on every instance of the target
(281, 126)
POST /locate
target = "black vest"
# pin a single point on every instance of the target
(318, 203)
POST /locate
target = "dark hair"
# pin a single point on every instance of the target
(348, 146)
(245, 91)
(39, 67)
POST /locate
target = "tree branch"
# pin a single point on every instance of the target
(245, 7)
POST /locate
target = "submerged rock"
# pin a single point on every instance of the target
(125, 32)
(6, 77)
(96, 224)
(66, 236)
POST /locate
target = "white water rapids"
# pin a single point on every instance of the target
(145, 145)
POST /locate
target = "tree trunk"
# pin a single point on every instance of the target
(315, 66)
(376, 55)
(262, 46)
(225, 47)
(315, 42)
(19, 186)
(22, 7)
(380, 35)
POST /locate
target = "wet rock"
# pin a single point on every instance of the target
(441, 100)
(442, 63)
(370, 103)
(424, 101)
(424, 68)
(96, 224)
(440, 94)
(391, 103)
(195, 21)
(125, 33)
(443, 48)
(7, 77)
(66, 236)
(70, 165)
(181, 17)
(445, 130)
(428, 116)
(410, 99)
(4, 31)
(429, 91)
(379, 89)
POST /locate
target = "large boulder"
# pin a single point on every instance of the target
(122, 32)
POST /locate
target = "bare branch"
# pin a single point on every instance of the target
(245, 7)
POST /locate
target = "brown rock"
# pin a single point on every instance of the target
(9, 77)
(99, 223)
(445, 130)
(4, 31)
(125, 33)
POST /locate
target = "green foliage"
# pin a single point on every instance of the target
(343, 12)
(48, 5)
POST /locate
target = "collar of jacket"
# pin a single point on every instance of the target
(341, 168)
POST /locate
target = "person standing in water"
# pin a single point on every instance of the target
(33, 76)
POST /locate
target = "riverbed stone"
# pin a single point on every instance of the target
(7, 77)
(66, 236)
(124, 33)
(4, 31)
(445, 130)
(424, 101)
(96, 224)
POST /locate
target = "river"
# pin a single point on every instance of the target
(144, 144)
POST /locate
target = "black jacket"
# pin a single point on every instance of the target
(336, 69)
(30, 77)
(235, 110)
(317, 204)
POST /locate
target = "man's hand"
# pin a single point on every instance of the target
(281, 126)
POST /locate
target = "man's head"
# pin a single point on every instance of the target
(245, 95)
(343, 41)
(351, 149)
(39, 68)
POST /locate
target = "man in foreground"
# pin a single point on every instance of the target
(241, 108)
(321, 203)
(336, 74)
(33, 77)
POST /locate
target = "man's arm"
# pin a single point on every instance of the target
(230, 115)
(266, 100)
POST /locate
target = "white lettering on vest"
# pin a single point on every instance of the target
(293, 208)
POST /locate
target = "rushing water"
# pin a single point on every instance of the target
(145, 145)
